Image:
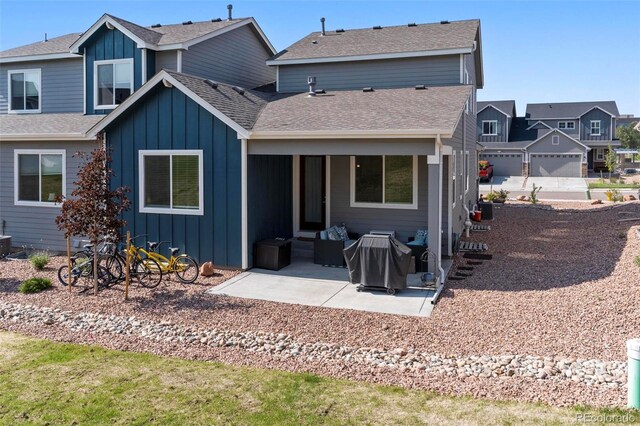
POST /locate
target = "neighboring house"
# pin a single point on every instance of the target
(52, 92)
(552, 139)
(384, 139)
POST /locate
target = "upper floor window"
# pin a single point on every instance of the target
(113, 82)
(489, 127)
(24, 90)
(595, 127)
(569, 125)
(171, 182)
(384, 181)
(39, 176)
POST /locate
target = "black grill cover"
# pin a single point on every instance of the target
(378, 261)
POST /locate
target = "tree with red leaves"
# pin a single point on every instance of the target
(95, 210)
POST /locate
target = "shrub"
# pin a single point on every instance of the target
(39, 260)
(614, 195)
(533, 195)
(497, 196)
(637, 261)
(34, 285)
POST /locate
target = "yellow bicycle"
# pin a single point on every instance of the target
(182, 265)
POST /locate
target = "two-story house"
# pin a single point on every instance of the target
(371, 127)
(53, 91)
(552, 139)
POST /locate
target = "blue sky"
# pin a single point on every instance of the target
(544, 51)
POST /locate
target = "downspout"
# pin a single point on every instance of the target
(467, 220)
(438, 258)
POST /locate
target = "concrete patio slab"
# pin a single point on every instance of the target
(304, 283)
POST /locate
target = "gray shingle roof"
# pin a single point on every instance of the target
(53, 45)
(398, 39)
(43, 124)
(241, 108)
(507, 107)
(436, 108)
(626, 121)
(518, 131)
(567, 109)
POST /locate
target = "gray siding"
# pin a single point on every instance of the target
(236, 57)
(605, 126)
(433, 71)
(167, 60)
(61, 84)
(554, 125)
(490, 113)
(29, 225)
(363, 220)
(566, 145)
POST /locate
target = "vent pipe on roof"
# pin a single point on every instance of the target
(322, 22)
(311, 81)
(45, 37)
(229, 7)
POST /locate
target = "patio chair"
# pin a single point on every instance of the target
(329, 252)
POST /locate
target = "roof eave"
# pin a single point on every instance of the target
(75, 47)
(397, 55)
(350, 134)
(45, 137)
(41, 57)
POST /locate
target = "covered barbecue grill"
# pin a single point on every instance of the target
(378, 262)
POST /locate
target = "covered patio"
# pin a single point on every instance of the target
(305, 283)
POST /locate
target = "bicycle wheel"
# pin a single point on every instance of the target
(147, 272)
(115, 267)
(63, 275)
(186, 269)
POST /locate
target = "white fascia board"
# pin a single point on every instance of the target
(159, 77)
(497, 109)
(562, 133)
(370, 57)
(592, 108)
(100, 22)
(45, 137)
(44, 57)
(350, 134)
(539, 122)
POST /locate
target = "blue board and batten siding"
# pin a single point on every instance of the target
(167, 119)
(112, 44)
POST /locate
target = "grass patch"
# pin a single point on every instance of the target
(637, 261)
(34, 285)
(39, 260)
(606, 185)
(46, 382)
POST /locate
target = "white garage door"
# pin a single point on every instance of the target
(504, 164)
(556, 165)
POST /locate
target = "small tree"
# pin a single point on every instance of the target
(610, 160)
(95, 209)
(629, 137)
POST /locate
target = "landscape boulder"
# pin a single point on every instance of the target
(521, 198)
(628, 198)
(206, 269)
(594, 202)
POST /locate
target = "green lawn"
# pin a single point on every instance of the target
(606, 185)
(42, 382)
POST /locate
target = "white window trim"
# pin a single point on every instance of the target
(24, 111)
(383, 205)
(454, 157)
(16, 176)
(566, 125)
(95, 79)
(555, 140)
(467, 166)
(496, 128)
(599, 127)
(599, 154)
(170, 210)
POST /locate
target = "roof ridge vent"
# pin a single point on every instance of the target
(156, 25)
(444, 22)
(377, 27)
(217, 20)
(421, 87)
(187, 23)
(412, 24)
(238, 89)
(367, 89)
(212, 83)
(340, 30)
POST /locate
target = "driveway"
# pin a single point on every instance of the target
(553, 188)
(558, 184)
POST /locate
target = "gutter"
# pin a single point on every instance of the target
(45, 137)
(349, 134)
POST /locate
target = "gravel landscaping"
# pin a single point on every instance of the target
(561, 293)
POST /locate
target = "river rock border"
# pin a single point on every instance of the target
(610, 374)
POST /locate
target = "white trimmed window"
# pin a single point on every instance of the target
(171, 182)
(595, 127)
(24, 91)
(599, 154)
(466, 171)
(555, 140)
(489, 127)
(384, 181)
(112, 82)
(568, 125)
(39, 176)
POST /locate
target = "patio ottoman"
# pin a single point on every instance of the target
(272, 254)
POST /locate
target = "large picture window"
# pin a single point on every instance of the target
(384, 181)
(24, 91)
(113, 82)
(171, 182)
(39, 176)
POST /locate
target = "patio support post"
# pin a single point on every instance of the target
(434, 203)
(244, 204)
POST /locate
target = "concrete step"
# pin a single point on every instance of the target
(301, 248)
